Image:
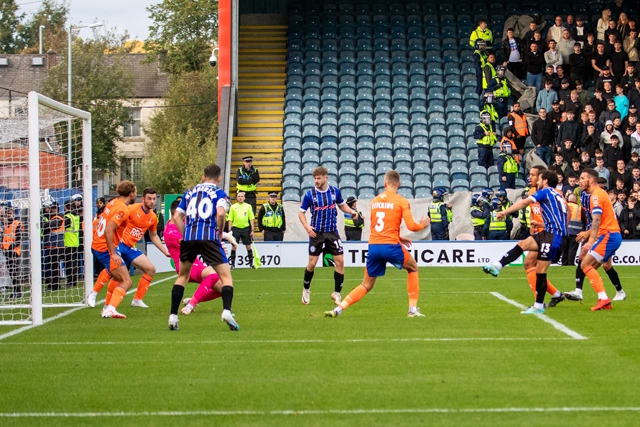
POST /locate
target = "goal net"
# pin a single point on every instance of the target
(45, 207)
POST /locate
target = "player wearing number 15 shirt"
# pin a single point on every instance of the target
(323, 231)
(387, 246)
(200, 218)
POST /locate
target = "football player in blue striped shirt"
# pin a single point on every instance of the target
(200, 217)
(323, 231)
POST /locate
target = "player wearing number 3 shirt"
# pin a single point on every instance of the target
(387, 246)
(200, 218)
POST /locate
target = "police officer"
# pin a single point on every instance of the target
(353, 227)
(271, 219)
(240, 219)
(479, 61)
(507, 164)
(438, 215)
(501, 92)
(504, 201)
(449, 207)
(71, 243)
(247, 177)
(494, 228)
(479, 212)
(488, 71)
(525, 217)
(485, 135)
(575, 226)
(11, 248)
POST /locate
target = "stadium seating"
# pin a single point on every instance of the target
(379, 84)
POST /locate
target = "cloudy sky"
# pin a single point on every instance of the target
(130, 15)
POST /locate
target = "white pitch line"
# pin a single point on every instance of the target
(68, 312)
(559, 326)
(287, 412)
(293, 341)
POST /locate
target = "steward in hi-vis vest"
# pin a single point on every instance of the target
(271, 220)
(11, 248)
(247, 177)
(353, 227)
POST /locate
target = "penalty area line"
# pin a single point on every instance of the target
(288, 412)
(559, 326)
(68, 312)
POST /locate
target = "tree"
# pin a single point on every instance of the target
(101, 85)
(9, 23)
(53, 16)
(184, 134)
(182, 33)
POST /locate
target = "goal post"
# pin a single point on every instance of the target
(45, 165)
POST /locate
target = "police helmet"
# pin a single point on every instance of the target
(443, 190)
(437, 195)
(500, 70)
(485, 117)
(474, 199)
(487, 193)
(525, 192)
(480, 44)
(507, 147)
(501, 194)
(496, 203)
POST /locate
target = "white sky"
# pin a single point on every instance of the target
(130, 15)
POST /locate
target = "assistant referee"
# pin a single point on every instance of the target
(240, 220)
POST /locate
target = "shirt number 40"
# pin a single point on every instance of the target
(203, 210)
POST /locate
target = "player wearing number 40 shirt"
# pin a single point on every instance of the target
(387, 246)
(200, 218)
(323, 231)
(107, 236)
(547, 243)
(141, 218)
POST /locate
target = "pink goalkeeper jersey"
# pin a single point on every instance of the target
(172, 237)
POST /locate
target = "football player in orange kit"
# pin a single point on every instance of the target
(106, 238)
(141, 218)
(386, 245)
(604, 239)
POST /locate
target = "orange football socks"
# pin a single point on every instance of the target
(595, 279)
(117, 296)
(413, 288)
(102, 280)
(112, 286)
(531, 278)
(354, 296)
(143, 286)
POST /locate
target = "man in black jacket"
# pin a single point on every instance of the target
(578, 62)
(542, 135)
(629, 220)
(534, 64)
(512, 50)
(613, 153)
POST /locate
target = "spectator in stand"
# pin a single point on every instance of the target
(529, 35)
(560, 165)
(590, 141)
(542, 136)
(635, 191)
(626, 143)
(634, 167)
(617, 8)
(627, 81)
(552, 56)
(570, 186)
(579, 32)
(575, 106)
(622, 102)
(579, 63)
(561, 182)
(565, 47)
(542, 44)
(623, 26)
(575, 169)
(612, 29)
(599, 61)
(482, 32)
(546, 97)
(564, 94)
(609, 45)
(602, 183)
(631, 119)
(609, 115)
(518, 121)
(555, 31)
(634, 94)
(635, 140)
(599, 126)
(534, 64)
(570, 24)
(629, 220)
(621, 173)
(556, 115)
(597, 102)
(612, 153)
(562, 75)
(603, 24)
(607, 91)
(631, 45)
(583, 95)
(551, 75)
(512, 50)
(619, 61)
(602, 170)
(568, 151)
(589, 46)
(569, 130)
(586, 161)
(617, 204)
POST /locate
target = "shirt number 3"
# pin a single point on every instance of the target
(380, 223)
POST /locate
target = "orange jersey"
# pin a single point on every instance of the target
(138, 224)
(536, 213)
(600, 204)
(387, 212)
(117, 212)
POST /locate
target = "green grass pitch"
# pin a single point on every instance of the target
(473, 360)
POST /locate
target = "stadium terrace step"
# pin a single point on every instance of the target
(262, 74)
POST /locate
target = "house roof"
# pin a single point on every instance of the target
(21, 76)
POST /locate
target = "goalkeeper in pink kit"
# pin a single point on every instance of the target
(210, 285)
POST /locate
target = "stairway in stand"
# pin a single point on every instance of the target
(261, 87)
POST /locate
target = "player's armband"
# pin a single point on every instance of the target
(224, 203)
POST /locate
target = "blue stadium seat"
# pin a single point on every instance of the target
(478, 184)
(460, 185)
(441, 183)
(366, 161)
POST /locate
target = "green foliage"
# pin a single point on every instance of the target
(9, 24)
(53, 16)
(181, 34)
(101, 84)
(183, 135)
